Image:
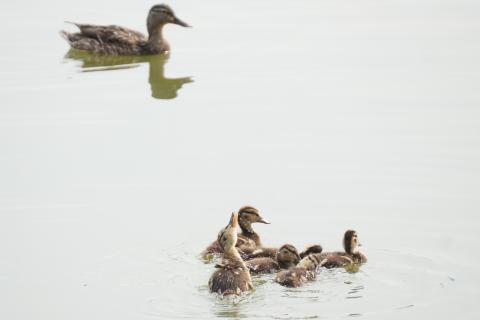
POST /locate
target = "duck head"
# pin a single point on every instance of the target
(350, 242)
(227, 237)
(161, 14)
(287, 256)
(248, 215)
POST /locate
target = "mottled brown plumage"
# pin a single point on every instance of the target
(286, 257)
(295, 277)
(315, 248)
(261, 253)
(336, 261)
(305, 270)
(248, 240)
(116, 40)
(232, 275)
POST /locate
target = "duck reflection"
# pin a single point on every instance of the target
(161, 87)
(229, 307)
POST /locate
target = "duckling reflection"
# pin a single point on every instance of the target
(161, 87)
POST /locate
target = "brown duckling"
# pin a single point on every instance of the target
(286, 257)
(305, 270)
(116, 40)
(350, 255)
(315, 248)
(232, 275)
(248, 239)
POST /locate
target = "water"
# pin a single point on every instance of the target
(325, 115)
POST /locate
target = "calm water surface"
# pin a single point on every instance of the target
(326, 115)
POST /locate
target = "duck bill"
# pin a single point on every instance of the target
(233, 220)
(261, 220)
(181, 23)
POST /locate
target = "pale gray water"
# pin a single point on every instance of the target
(326, 115)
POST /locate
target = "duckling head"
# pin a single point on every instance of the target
(350, 242)
(227, 237)
(161, 14)
(248, 215)
(287, 256)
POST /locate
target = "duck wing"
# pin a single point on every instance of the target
(263, 252)
(111, 34)
(262, 265)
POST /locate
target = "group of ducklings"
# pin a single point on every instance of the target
(243, 254)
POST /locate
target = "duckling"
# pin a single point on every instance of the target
(232, 276)
(248, 239)
(116, 40)
(315, 248)
(286, 257)
(305, 270)
(351, 255)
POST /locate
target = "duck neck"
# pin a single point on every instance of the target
(248, 232)
(156, 40)
(350, 249)
(233, 255)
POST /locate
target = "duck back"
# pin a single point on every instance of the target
(230, 279)
(262, 265)
(295, 277)
(111, 40)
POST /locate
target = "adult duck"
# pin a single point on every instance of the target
(116, 40)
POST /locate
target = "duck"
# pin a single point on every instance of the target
(315, 248)
(286, 257)
(116, 40)
(305, 270)
(351, 255)
(232, 276)
(248, 239)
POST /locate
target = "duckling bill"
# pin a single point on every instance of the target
(116, 40)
